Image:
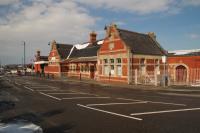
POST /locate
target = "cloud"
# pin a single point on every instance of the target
(7, 2)
(40, 22)
(142, 7)
(191, 2)
(194, 36)
(138, 6)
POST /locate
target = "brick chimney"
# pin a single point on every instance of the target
(93, 37)
(152, 35)
(38, 55)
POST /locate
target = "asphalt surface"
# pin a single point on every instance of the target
(75, 107)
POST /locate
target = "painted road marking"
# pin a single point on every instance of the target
(129, 99)
(165, 111)
(74, 93)
(17, 83)
(84, 98)
(105, 104)
(153, 102)
(108, 112)
(43, 87)
(47, 90)
(51, 96)
(84, 93)
(177, 104)
(28, 88)
(64, 93)
(182, 95)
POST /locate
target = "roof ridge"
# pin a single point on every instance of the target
(64, 44)
(132, 31)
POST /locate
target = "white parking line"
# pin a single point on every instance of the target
(74, 93)
(168, 103)
(105, 104)
(165, 111)
(50, 96)
(153, 102)
(44, 87)
(84, 98)
(28, 88)
(84, 93)
(64, 93)
(51, 90)
(17, 83)
(112, 113)
(129, 99)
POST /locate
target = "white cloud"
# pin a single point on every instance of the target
(139, 6)
(142, 6)
(194, 36)
(191, 2)
(7, 2)
(42, 22)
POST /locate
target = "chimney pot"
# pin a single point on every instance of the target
(152, 35)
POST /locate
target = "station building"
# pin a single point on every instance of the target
(122, 57)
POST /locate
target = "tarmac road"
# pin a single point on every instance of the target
(75, 107)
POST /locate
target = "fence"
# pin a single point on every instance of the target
(154, 77)
(185, 77)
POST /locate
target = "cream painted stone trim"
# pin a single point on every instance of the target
(147, 56)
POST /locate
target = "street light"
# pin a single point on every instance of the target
(164, 60)
(24, 43)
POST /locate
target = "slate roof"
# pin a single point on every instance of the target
(141, 43)
(89, 51)
(44, 58)
(64, 50)
(84, 59)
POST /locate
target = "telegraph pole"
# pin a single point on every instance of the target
(24, 54)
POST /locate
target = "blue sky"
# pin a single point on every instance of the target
(175, 22)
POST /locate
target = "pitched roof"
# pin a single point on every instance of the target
(89, 51)
(44, 58)
(64, 50)
(84, 59)
(141, 43)
(193, 52)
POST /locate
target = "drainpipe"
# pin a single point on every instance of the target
(129, 71)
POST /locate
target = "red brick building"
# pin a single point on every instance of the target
(184, 66)
(122, 56)
(129, 57)
(40, 62)
(57, 55)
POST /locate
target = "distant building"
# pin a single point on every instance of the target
(40, 62)
(184, 66)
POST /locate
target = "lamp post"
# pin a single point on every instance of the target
(24, 44)
(164, 59)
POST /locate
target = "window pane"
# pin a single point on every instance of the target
(106, 70)
(119, 60)
(112, 61)
(119, 70)
(105, 61)
(112, 70)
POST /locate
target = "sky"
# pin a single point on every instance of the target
(38, 22)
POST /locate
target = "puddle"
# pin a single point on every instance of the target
(20, 127)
